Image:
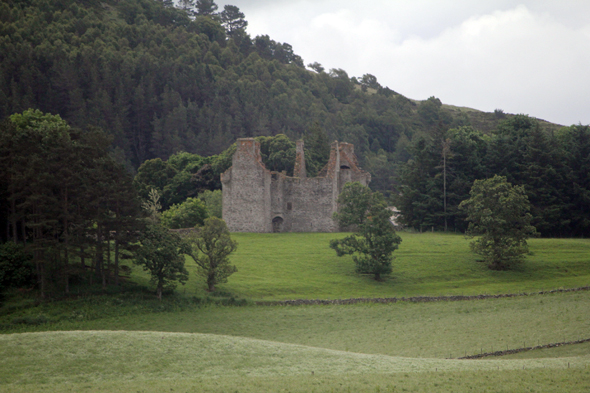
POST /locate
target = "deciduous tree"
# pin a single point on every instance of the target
(375, 240)
(210, 249)
(498, 213)
(187, 214)
(161, 254)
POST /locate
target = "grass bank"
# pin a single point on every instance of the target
(151, 361)
(302, 266)
(427, 330)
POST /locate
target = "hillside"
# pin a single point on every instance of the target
(364, 348)
(160, 82)
(487, 122)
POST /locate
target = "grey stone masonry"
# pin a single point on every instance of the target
(258, 200)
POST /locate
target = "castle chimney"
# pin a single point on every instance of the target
(299, 170)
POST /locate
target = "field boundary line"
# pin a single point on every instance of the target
(412, 299)
(524, 349)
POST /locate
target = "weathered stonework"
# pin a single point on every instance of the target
(258, 200)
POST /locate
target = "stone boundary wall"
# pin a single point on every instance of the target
(413, 299)
(517, 350)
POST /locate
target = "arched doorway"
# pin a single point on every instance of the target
(277, 224)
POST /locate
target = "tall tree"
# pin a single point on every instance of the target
(498, 213)
(161, 254)
(233, 21)
(206, 7)
(375, 239)
(211, 246)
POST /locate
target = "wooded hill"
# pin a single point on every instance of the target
(163, 80)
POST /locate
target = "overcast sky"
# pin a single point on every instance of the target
(530, 57)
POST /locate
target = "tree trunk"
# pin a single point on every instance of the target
(116, 260)
(24, 231)
(66, 243)
(109, 256)
(13, 220)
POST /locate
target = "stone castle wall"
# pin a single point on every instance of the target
(258, 200)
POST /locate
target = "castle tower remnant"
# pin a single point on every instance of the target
(258, 200)
(299, 170)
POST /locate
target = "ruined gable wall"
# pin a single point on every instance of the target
(254, 197)
(246, 190)
(313, 205)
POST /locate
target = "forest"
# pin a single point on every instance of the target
(103, 101)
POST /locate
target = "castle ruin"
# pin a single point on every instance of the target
(258, 200)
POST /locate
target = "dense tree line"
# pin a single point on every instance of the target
(175, 84)
(66, 199)
(553, 168)
(162, 79)
(185, 176)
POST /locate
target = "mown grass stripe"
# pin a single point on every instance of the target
(524, 349)
(413, 299)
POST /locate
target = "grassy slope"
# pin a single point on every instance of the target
(372, 337)
(105, 360)
(301, 265)
(447, 329)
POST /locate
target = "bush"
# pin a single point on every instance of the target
(188, 214)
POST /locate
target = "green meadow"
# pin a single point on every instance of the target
(302, 266)
(192, 342)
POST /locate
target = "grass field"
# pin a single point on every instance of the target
(102, 360)
(302, 266)
(132, 342)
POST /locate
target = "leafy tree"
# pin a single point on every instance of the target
(575, 140)
(353, 204)
(213, 201)
(210, 249)
(233, 20)
(498, 213)
(64, 193)
(369, 81)
(155, 174)
(317, 149)
(187, 214)
(420, 189)
(317, 67)
(160, 253)
(188, 6)
(375, 239)
(152, 206)
(206, 7)
(278, 153)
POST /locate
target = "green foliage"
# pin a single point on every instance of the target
(188, 214)
(182, 82)
(233, 20)
(64, 192)
(16, 266)
(499, 214)
(210, 249)
(317, 149)
(546, 164)
(213, 202)
(155, 174)
(375, 239)
(278, 153)
(160, 253)
(354, 203)
(152, 206)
